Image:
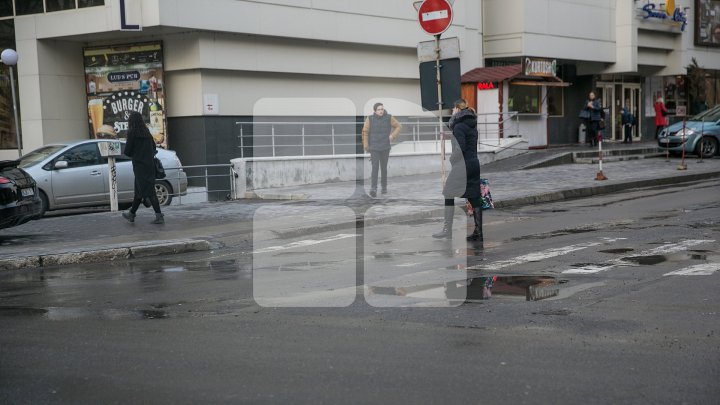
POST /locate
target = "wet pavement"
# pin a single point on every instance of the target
(103, 236)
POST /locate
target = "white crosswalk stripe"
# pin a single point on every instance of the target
(706, 269)
(665, 249)
(539, 256)
(304, 243)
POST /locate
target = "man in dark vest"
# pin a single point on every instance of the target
(379, 129)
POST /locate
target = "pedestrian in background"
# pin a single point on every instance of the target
(660, 116)
(464, 178)
(378, 131)
(627, 120)
(591, 116)
(141, 148)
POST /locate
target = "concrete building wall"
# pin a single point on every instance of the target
(240, 50)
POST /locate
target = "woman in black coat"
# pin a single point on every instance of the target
(140, 147)
(464, 178)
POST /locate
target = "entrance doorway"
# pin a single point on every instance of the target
(632, 95)
(615, 96)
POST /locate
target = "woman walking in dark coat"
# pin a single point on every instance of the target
(464, 178)
(140, 147)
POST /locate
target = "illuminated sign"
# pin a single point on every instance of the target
(486, 86)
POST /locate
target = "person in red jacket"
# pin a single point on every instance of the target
(660, 116)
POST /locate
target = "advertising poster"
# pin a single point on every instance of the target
(707, 22)
(121, 79)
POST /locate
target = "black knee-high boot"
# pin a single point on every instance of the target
(446, 231)
(477, 234)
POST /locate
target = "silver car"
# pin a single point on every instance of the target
(74, 174)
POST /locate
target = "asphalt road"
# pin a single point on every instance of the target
(605, 300)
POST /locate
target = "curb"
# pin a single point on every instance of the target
(104, 254)
(514, 202)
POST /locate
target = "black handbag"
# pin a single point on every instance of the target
(159, 169)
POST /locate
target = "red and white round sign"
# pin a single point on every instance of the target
(435, 16)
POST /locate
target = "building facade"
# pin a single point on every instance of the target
(199, 69)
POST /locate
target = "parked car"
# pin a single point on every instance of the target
(19, 197)
(74, 174)
(702, 135)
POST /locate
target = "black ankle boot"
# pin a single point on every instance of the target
(446, 232)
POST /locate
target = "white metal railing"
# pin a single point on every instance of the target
(305, 138)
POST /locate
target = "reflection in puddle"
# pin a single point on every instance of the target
(532, 288)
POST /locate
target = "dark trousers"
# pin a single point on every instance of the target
(657, 130)
(379, 160)
(628, 134)
(591, 128)
(153, 200)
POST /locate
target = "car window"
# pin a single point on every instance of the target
(82, 155)
(712, 114)
(39, 155)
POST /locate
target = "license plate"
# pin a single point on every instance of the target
(27, 192)
(664, 140)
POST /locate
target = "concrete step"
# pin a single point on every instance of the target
(617, 152)
(606, 159)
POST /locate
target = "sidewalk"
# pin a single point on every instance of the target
(103, 236)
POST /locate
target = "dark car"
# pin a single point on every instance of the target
(19, 200)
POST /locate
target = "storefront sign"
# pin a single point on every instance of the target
(674, 15)
(540, 67)
(486, 86)
(130, 15)
(121, 80)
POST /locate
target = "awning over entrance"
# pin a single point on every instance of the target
(513, 73)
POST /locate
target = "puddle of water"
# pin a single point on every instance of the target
(532, 288)
(646, 260)
(73, 313)
(617, 251)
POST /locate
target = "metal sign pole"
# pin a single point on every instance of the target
(440, 109)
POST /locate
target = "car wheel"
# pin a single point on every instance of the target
(43, 204)
(163, 192)
(707, 147)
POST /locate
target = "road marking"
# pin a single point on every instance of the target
(304, 243)
(706, 269)
(667, 248)
(539, 256)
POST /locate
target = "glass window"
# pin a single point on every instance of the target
(524, 99)
(23, 7)
(6, 8)
(58, 5)
(90, 3)
(556, 102)
(84, 155)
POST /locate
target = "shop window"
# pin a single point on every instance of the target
(90, 3)
(524, 99)
(6, 8)
(59, 5)
(24, 7)
(556, 101)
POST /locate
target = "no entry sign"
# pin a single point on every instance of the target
(435, 16)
